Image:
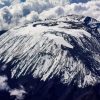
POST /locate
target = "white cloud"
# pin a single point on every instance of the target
(31, 10)
(33, 16)
(18, 93)
(52, 13)
(11, 16)
(3, 83)
(91, 9)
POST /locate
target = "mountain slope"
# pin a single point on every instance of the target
(55, 59)
(67, 47)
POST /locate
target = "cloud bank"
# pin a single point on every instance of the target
(91, 9)
(3, 83)
(30, 11)
(18, 93)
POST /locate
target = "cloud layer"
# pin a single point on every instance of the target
(18, 93)
(3, 83)
(30, 11)
(91, 9)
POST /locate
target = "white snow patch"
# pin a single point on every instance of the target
(39, 30)
(59, 40)
(30, 30)
(78, 32)
(89, 80)
(98, 30)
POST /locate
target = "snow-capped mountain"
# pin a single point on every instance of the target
(57, 53)
(47, 52)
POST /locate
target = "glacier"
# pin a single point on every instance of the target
(48, 48)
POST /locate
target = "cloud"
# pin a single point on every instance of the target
(12, 15)
(18, 93)
(91, 9)
(74, 8)
(4, 3)
(31, 10)
(33, 16)
(52, 13)
(3, 83)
